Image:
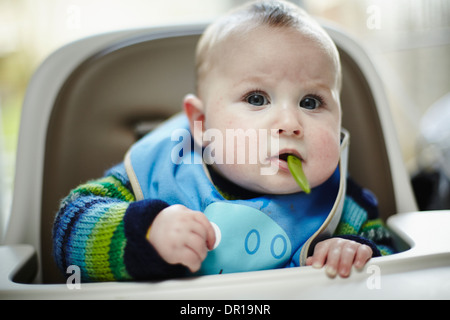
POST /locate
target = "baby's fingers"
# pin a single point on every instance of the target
(363, 255)
(190, 258)
(348, 253)
(317, 260)
(207, 230)
(353, 254)
(339, 255)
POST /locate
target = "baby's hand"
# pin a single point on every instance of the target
(181, 235)
(339, 255)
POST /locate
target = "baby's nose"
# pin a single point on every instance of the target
(289, 132)
(288, 121)
(290, 126)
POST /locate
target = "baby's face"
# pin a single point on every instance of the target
(280, 85)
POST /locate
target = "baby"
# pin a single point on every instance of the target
(267, 68)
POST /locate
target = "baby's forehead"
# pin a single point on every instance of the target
(301, 35)
(227, 34)
(232, 43)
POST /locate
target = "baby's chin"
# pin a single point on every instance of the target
(270, 187)
(279, 191)
(279, 183)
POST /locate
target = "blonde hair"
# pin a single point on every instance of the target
(272, 13)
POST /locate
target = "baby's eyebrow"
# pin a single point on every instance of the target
(317, 84)
(320, 86)
(253, 79)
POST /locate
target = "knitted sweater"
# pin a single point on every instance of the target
(102, 229)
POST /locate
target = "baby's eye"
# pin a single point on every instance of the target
(310, 103)
(257, 99)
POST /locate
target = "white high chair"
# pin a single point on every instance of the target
(91, 99)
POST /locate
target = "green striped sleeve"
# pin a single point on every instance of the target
(89, 230)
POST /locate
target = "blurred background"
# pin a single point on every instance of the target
(409, 41)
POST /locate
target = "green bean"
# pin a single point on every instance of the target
(296, 169)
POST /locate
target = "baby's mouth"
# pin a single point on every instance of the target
(281, 159)
(291, 161)
(284, 155)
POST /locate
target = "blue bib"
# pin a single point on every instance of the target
(265, 232)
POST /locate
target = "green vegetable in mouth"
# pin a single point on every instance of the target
(295, 167)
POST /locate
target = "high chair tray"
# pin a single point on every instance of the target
(420, 272)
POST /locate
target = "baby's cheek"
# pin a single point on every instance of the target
(322, 166)
(242, 146)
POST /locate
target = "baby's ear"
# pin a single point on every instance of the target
(193, 108)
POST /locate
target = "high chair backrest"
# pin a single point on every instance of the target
(92, 99)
